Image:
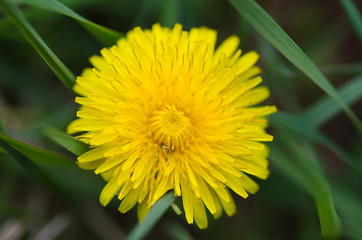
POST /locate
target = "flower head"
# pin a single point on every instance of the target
(163, 110)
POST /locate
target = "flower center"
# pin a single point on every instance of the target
(172, 123)
(170, 128)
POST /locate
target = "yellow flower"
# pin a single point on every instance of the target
(163, 110)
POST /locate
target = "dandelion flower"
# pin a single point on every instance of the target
(163, 110)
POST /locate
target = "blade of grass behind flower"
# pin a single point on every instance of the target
(325, 108)
(349, 207)
(271, 31)
(305, 174)
(29, 33)
(283, 121)
(37, 154)
(174, 230)
(321, 190)
(34, 170)
(170, 12)
(353, 14)
(156, 212)
(68, 142)
(285, 165)
(104, 35)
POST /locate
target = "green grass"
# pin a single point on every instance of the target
(315, 158)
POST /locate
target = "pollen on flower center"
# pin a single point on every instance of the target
(172, 123)
(170, 128)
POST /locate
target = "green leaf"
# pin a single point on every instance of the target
(27, 164)
(284, 121)
(325, 108)
(302, 171)
(283, 163)
(156, 212)
(29, 33)
(271, 31)
(36, 154)
(170, 12)
(349, 207)
(175, 230)
(105, 35)
(68, 142)
(38, 173)
(354, 16)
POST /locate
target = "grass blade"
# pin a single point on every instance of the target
(171, 12)
(321, 191)
(68, 142)
(305, 174)
(104, 35)
(36, 154)
(349, 207)
(29, 33)
(325, 108)
(156, 212)
(30, 167)
(271, 31)
(354, 16)
(175, 230)
(283, 121)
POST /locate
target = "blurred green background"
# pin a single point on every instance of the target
(316, 158)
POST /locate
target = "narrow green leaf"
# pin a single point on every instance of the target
(25, 162)
(271, 31)
(37, 154)
(37, 172)
(105, 35)
(283, 163)
(325, 108)
(170, 12)
(349, 207)
(283, 121)
(156, 212)
(353, 14)
(305, 174)
(29, 33)
(68, 142)
(321, 191)
(175, 230)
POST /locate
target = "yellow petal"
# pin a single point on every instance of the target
(108, 192)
